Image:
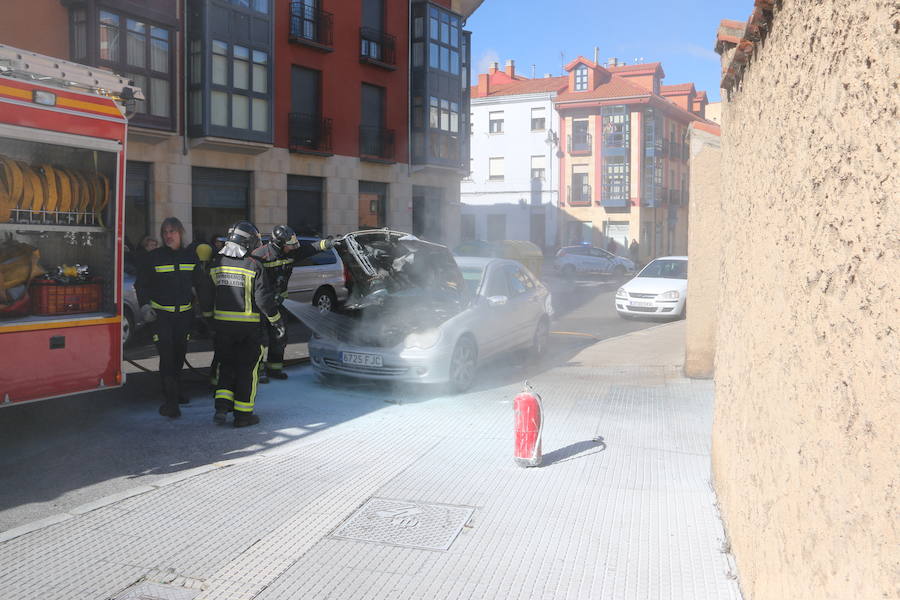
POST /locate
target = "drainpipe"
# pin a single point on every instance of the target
(185, 57)
(409, 91)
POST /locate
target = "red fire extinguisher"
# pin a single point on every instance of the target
(529, 424)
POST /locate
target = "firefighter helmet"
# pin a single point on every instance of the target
(283, 236)
(246, 235)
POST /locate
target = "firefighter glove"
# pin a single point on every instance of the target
(326, 244)
(280, 331)
(148, 313)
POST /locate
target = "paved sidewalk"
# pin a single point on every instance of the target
(420, 499)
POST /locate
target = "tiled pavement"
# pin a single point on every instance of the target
(621, 509)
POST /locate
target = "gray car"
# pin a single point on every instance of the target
(319, 280)
(587, 260)
(131, 311)
(416, 313)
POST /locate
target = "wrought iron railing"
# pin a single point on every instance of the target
(580, 142)
(579, 195)
(309, 132)
(376, 142)
(311, 24)
(377, 45)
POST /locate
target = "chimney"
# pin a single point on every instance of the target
(613, 62)
(511, 68)
(495, 66)
(484, 85)
(596, 55)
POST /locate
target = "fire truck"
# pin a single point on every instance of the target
(63, 133)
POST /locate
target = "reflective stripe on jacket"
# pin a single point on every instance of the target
(166, 279)
(239, 292)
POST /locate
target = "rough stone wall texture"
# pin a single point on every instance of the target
(808, 347)
(704, 254)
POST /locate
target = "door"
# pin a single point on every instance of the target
(220, 197)
(494, 322)
(372, 120)
(599, 261)
(520, 306)
(305, 205)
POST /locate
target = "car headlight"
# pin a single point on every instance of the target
(422, 339)
(670, 295)
(620, 293)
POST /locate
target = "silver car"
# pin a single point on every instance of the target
(319, 280)
(416, 313)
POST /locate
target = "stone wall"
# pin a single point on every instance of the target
(704, 252)
(805, 441)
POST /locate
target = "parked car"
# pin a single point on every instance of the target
(416, 313)
(319, 279)
(587, 260)
(525, 252)
(659, 290)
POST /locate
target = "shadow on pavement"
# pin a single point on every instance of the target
(573, 451)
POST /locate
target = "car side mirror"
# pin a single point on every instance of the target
(495, 301)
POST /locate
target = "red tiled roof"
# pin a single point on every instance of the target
(708, 127)
(677, 88)
(529, 86)
(616, 87)
(640, 68)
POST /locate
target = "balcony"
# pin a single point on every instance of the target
(309, 134)
(311, 26)
(377, 48)
(579, 195)
(376, 143)
(580, 143)
(615, 195)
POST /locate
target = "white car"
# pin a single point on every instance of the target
(597, 261)
(659, 290)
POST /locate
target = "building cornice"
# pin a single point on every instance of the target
(512, 99)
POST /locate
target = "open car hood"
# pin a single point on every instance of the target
(395, 267)
(398, 285)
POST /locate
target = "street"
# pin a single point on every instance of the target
(62, 453)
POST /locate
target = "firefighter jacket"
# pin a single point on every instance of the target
(167, 278)
(280, 265)
(238, 292)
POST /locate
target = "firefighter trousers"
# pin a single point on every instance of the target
(171, 336)
(275, 352)
(239, 352)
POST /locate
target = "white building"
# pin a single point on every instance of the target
(512, 192)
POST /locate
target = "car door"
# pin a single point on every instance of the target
(490, 323)
(520, 306)
(600, 262)
(535, 306)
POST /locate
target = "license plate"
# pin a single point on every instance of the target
(642, 304)
(360, 359)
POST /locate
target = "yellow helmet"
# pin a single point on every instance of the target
(204, 252)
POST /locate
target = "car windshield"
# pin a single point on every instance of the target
(665, 269)
(472, 277)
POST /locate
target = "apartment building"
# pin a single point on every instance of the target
(624, 166)
(512, 190)
(279, 111)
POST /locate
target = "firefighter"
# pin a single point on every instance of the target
(239, 298)
(165, 284)
(278, 257)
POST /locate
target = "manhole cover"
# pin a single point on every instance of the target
(156, 591)
(411, 524)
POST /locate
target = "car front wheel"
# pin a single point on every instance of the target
(127, 326)
(541, 339)
(463, 365)
(619, 272)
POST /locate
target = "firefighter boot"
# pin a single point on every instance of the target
(276, 373)
(244, 419)
(170, 391)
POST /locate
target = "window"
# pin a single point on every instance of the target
(538, 119)
(240, 85)
(140, 50)
(307, 130)
(580, 139)
(538, 166)
(581, 78)
(495, 122)
(615, 126)
(220, 197)
(495, 169)
(616, 184)
(444, 41)
(580, 193)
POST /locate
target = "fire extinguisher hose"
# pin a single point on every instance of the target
(530, 389)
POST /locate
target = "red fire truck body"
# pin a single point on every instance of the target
(62, 168)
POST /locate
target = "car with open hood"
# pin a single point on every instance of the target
(417, 313)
